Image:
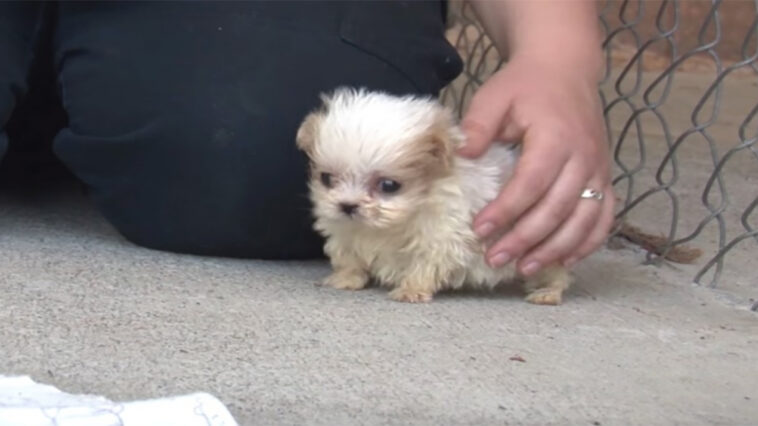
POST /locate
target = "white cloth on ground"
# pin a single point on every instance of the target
(23, 402)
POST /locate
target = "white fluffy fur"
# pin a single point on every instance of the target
(420, 240)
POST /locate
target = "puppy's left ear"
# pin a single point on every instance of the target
(446, 137)
(306, 133)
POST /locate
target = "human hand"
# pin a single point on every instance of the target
(555, 111)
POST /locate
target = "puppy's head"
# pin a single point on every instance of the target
(374, 157)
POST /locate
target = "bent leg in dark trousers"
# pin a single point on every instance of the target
(182, 116)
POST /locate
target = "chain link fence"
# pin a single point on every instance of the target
(680, 97)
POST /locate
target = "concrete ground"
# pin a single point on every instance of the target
(86, 311)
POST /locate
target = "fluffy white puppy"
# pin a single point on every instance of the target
(394, 202)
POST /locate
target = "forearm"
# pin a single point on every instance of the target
(565, 32)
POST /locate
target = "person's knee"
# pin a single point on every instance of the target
(202, 159)
(194, 171)
(193, 186)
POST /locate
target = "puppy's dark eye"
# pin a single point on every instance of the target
(326, 179)
(389, 186)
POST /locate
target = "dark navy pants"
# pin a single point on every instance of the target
(180, 117)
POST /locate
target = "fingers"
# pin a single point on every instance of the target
(484, 121)
(599, 234)
(566, 239)
(535, 172)
(546, 217)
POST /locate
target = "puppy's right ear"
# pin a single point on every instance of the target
(306, 134)
(445, 138)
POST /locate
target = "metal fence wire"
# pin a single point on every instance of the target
(680, 96)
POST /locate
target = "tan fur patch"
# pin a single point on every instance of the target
(306, 133)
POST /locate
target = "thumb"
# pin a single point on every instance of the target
(483, 121)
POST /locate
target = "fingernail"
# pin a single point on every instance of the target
(484, 229)
(499, 259)
(531, 268)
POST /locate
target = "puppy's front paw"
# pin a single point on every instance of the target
(346, 280)
(410, 295)
(546, 288)
(545, 296)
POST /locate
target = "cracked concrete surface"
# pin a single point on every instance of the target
(90, 313)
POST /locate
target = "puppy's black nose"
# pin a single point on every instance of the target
(348, 208)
